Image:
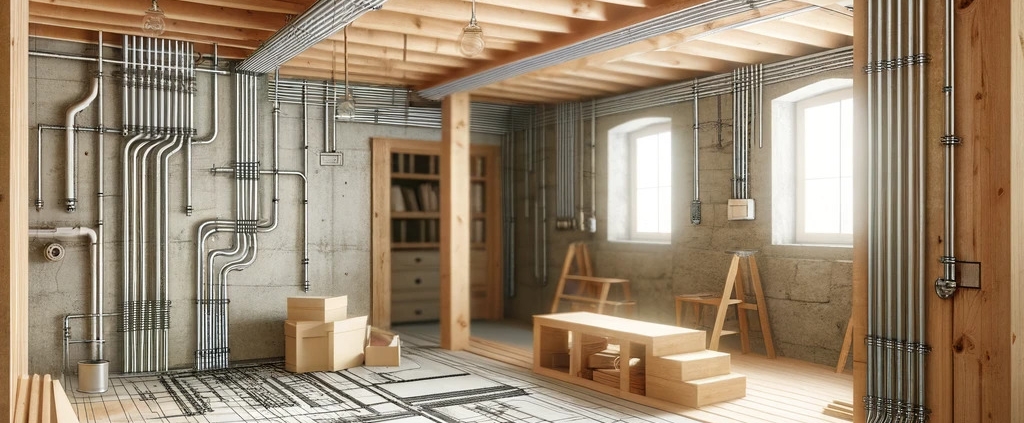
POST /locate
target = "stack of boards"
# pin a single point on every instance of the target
(41, 399)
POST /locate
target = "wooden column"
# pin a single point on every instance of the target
(1017, 211)
(455, 220)
(13, 197)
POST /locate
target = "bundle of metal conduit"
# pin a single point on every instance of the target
(896, 107)
(567, 124)
(159, 93)
(747, 83)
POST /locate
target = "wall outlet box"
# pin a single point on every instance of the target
(741, 209)
(331, 159)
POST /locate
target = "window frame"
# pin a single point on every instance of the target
(631, 138)
(800, 236)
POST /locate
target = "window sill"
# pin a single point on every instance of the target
(623, 244)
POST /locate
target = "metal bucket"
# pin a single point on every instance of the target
(92, 376)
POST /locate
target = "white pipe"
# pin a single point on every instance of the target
(69, 124)
(68, 232)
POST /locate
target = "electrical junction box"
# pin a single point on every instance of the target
(331, 159)
(741, 209)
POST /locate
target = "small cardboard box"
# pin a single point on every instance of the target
(318, 309)
(346, 340)
(305, 347)
(383, 349)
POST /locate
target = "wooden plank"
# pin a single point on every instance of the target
(380, 238)
(455, 311)
(20, 410)
(46, 406)
(63, 412)
(1016, 57)
(34, 398)
(13, 197)
(844, 352)
(860, 210)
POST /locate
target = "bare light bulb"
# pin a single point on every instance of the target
(346, 109)
(471, 41)
(153, 22)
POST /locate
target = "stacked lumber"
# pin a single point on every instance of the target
(40, 399)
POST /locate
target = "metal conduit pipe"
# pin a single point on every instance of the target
(100, 209)
(695, 204)
(189, 208)
(591, 222)
(38, 202)
(95, 334)
(947, 286)
(71, 177)
(919, 378)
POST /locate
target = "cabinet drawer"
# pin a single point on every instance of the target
(479, 307)
(415, 279)
(418, 294)
(414, 311)
(424, 259)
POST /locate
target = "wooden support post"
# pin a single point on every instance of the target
(455, 220)
(1017, 213)
(380, 241)
(13, 198)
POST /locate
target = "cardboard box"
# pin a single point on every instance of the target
(318, 309)
(383, 349)
(305, 347)
(346, 341)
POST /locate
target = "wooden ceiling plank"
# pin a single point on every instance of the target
(270, 6)
(384, 20)
(553, 87)
(526, 94)
(723, 52)
(748, 40)
(824, 20)
(636, 81)
(178, 9)
(664, 74)
(585, 83)
(178, 26)
(325, 52)
(800, 34)
(359, 74)
(675, 60)
(458, 11)
(239, 45)
(316, 60)
(591, 10)
(630, 3)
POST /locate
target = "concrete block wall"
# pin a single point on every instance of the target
(808, 288)
(339, 217)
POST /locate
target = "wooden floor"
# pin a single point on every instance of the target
(778, 390)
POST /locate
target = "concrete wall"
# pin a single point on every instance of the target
(339, 218)
(808, 288)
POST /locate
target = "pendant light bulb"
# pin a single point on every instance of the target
(471, 41)
(153, 21)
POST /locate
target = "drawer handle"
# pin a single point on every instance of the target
(418, 259)
(418, 281)
(418, 312)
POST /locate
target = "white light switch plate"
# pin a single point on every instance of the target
(331, 159)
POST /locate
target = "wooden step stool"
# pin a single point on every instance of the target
(733, 294)
(591, 292)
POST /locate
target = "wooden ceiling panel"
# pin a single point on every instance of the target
(414, 43)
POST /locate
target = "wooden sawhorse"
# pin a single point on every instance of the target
(733, 294)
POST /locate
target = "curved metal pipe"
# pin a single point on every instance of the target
(69, 122)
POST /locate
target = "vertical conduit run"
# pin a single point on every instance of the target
(566, 141)
(214, 102)
(947, 285)
(159, 85)
(896, 164)
(747, 83)
(695, 204)
(542, 188)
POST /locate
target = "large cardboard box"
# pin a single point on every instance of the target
(318, 309)
(346, 340)
(383, 349)
(305, 347)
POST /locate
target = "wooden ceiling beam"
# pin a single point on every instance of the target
(590, 10)
(458, 11)
(317, 60)
(384, 20)
(270, 6)
(825, 20)
(751, 41)
(800, 34)
(723, 52)
(326, 51)
(177, 26)
(242, 48)
(526, 94)
(600, 74)
(359, 74)
(524, 83)
(640, 47)
(630, 3)
(657, 72)
(674, 60)
(182, 10)
(577, 82)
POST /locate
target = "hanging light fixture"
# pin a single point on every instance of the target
(346, 110)
(153, 21)
(471, 41)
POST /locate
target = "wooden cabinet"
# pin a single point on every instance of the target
(406, 232)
